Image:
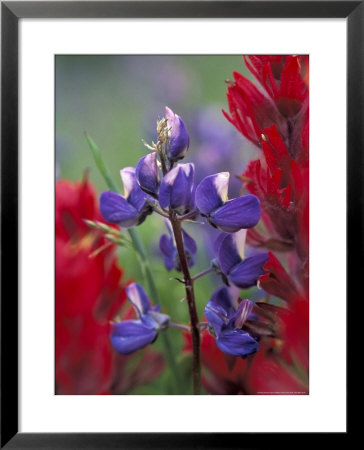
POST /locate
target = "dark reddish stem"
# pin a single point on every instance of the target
(190, 296)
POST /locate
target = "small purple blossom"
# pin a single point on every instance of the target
(179, 139)
(129, 209)
(168, 248)
(241, 272)
(177, 189)
(131, 335)
(227, 324)
(227, 215)
(147, 174)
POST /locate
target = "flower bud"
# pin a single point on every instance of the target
(147, 174)
(177, 189)
(179, 139)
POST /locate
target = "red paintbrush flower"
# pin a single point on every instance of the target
(268, 374)
(294, 328)
(277, 281)
(250, 111)
(222, 374)
(280, 179)
(89, 292)
(284, 78)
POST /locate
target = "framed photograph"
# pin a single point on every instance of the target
(180, 196)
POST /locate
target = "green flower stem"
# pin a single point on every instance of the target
(142, 257)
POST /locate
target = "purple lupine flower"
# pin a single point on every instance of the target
(168, 248)
(129, 209)
(147, 174)
(177, 189)
(241, 272)
(131, 335)
(179, 139)
(227, 215)
(227, 324)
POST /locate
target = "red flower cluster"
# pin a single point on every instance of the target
(89, 292)
(274, 116)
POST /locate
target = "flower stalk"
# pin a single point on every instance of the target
(202, 274)
(175, 221)
(190, 296)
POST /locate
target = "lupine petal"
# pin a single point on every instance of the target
(131, 335)
(243, 312)
(189, 243)
(147, 174)
(169, 252)
(132, 192)
(219, 309)
(115, 209)
(237, 343)
(241, 212)
(246, 273)
(161, 320)
(212, 192)
(231, 250)
(177, 187)
(166, 245)
(166, 187)
(181, 192)
(138, 298)
(179, 139)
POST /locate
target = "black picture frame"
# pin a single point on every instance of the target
(11, 12)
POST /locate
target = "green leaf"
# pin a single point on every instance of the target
(101, 165)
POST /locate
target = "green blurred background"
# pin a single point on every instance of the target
(117, 100)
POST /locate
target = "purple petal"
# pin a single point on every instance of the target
(241, 212)
(161, 321)
(236, 343)
(147, 174)
(246, 273)
(221, 236)
(218, 309)
(131, 335)
(166, 187)
(243, 312)
(212, 192)
(132, 192)
(179, 139)
(115, 209)
(231, 250)
(166, 246)
(189, 243)
(138, 298)
(176, 188)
